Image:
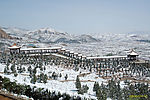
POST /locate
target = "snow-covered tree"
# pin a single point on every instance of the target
(45, 78)
(96, 86)
(34, 79)
(78, 83)
(66, 76)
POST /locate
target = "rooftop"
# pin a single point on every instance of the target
(107, 57)
(132, 52)
(71, 51)
(50, 48)
(14, 46)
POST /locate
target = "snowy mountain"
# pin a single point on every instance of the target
(15, 32)
(49, 35)
(87, 44)
(130, 36)
(4, 35)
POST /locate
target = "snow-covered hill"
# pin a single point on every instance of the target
(88, 44)
(116, 44)
(137, 35)
(15, 32)
(49, 35)
(4, 35)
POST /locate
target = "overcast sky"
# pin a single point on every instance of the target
(77, 16)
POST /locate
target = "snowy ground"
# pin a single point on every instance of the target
(60, 84)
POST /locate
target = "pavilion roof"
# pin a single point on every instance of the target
(14, 46)
(71, 51)
(67, 50)
(63, 49)
(75, 53)
(106, 57)
(79, 54)
(84, 56)
(50, 48)
(133, 53)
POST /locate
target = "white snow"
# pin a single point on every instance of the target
(106, 57)
(59, 55)
(50, 48)
(60, 84)
(133, 53)
(14, 47)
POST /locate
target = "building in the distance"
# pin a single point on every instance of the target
(14, 49)
(132, 55)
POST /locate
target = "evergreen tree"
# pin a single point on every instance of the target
(7, 67)
(96, 86)
(33, 80)
(105, 95)
(13, 68)
(60, 75)
(41, 78)
(132, 89)
(5, 70)
(112, 88)
(44, 68)
(77, 83)
(29, 68)
(101, 94)
(34, 70)
(54, 75)
(66, 76)
(118, 91)
(23, 70)
(45, 79)
(83, 89)
(7, 64)
(15, 74)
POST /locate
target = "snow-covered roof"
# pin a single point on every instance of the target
(106, 57)
(84, 56)
(14, 46)
(79, 54)
(132, 53)
(60, 55)
(50, 48)
(63, 49)
(67, 50)
(71, 51)
(75, 53)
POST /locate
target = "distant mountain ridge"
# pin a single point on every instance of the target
(4, 35)
(49, 35)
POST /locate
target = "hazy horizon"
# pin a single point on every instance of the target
(77, 17)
